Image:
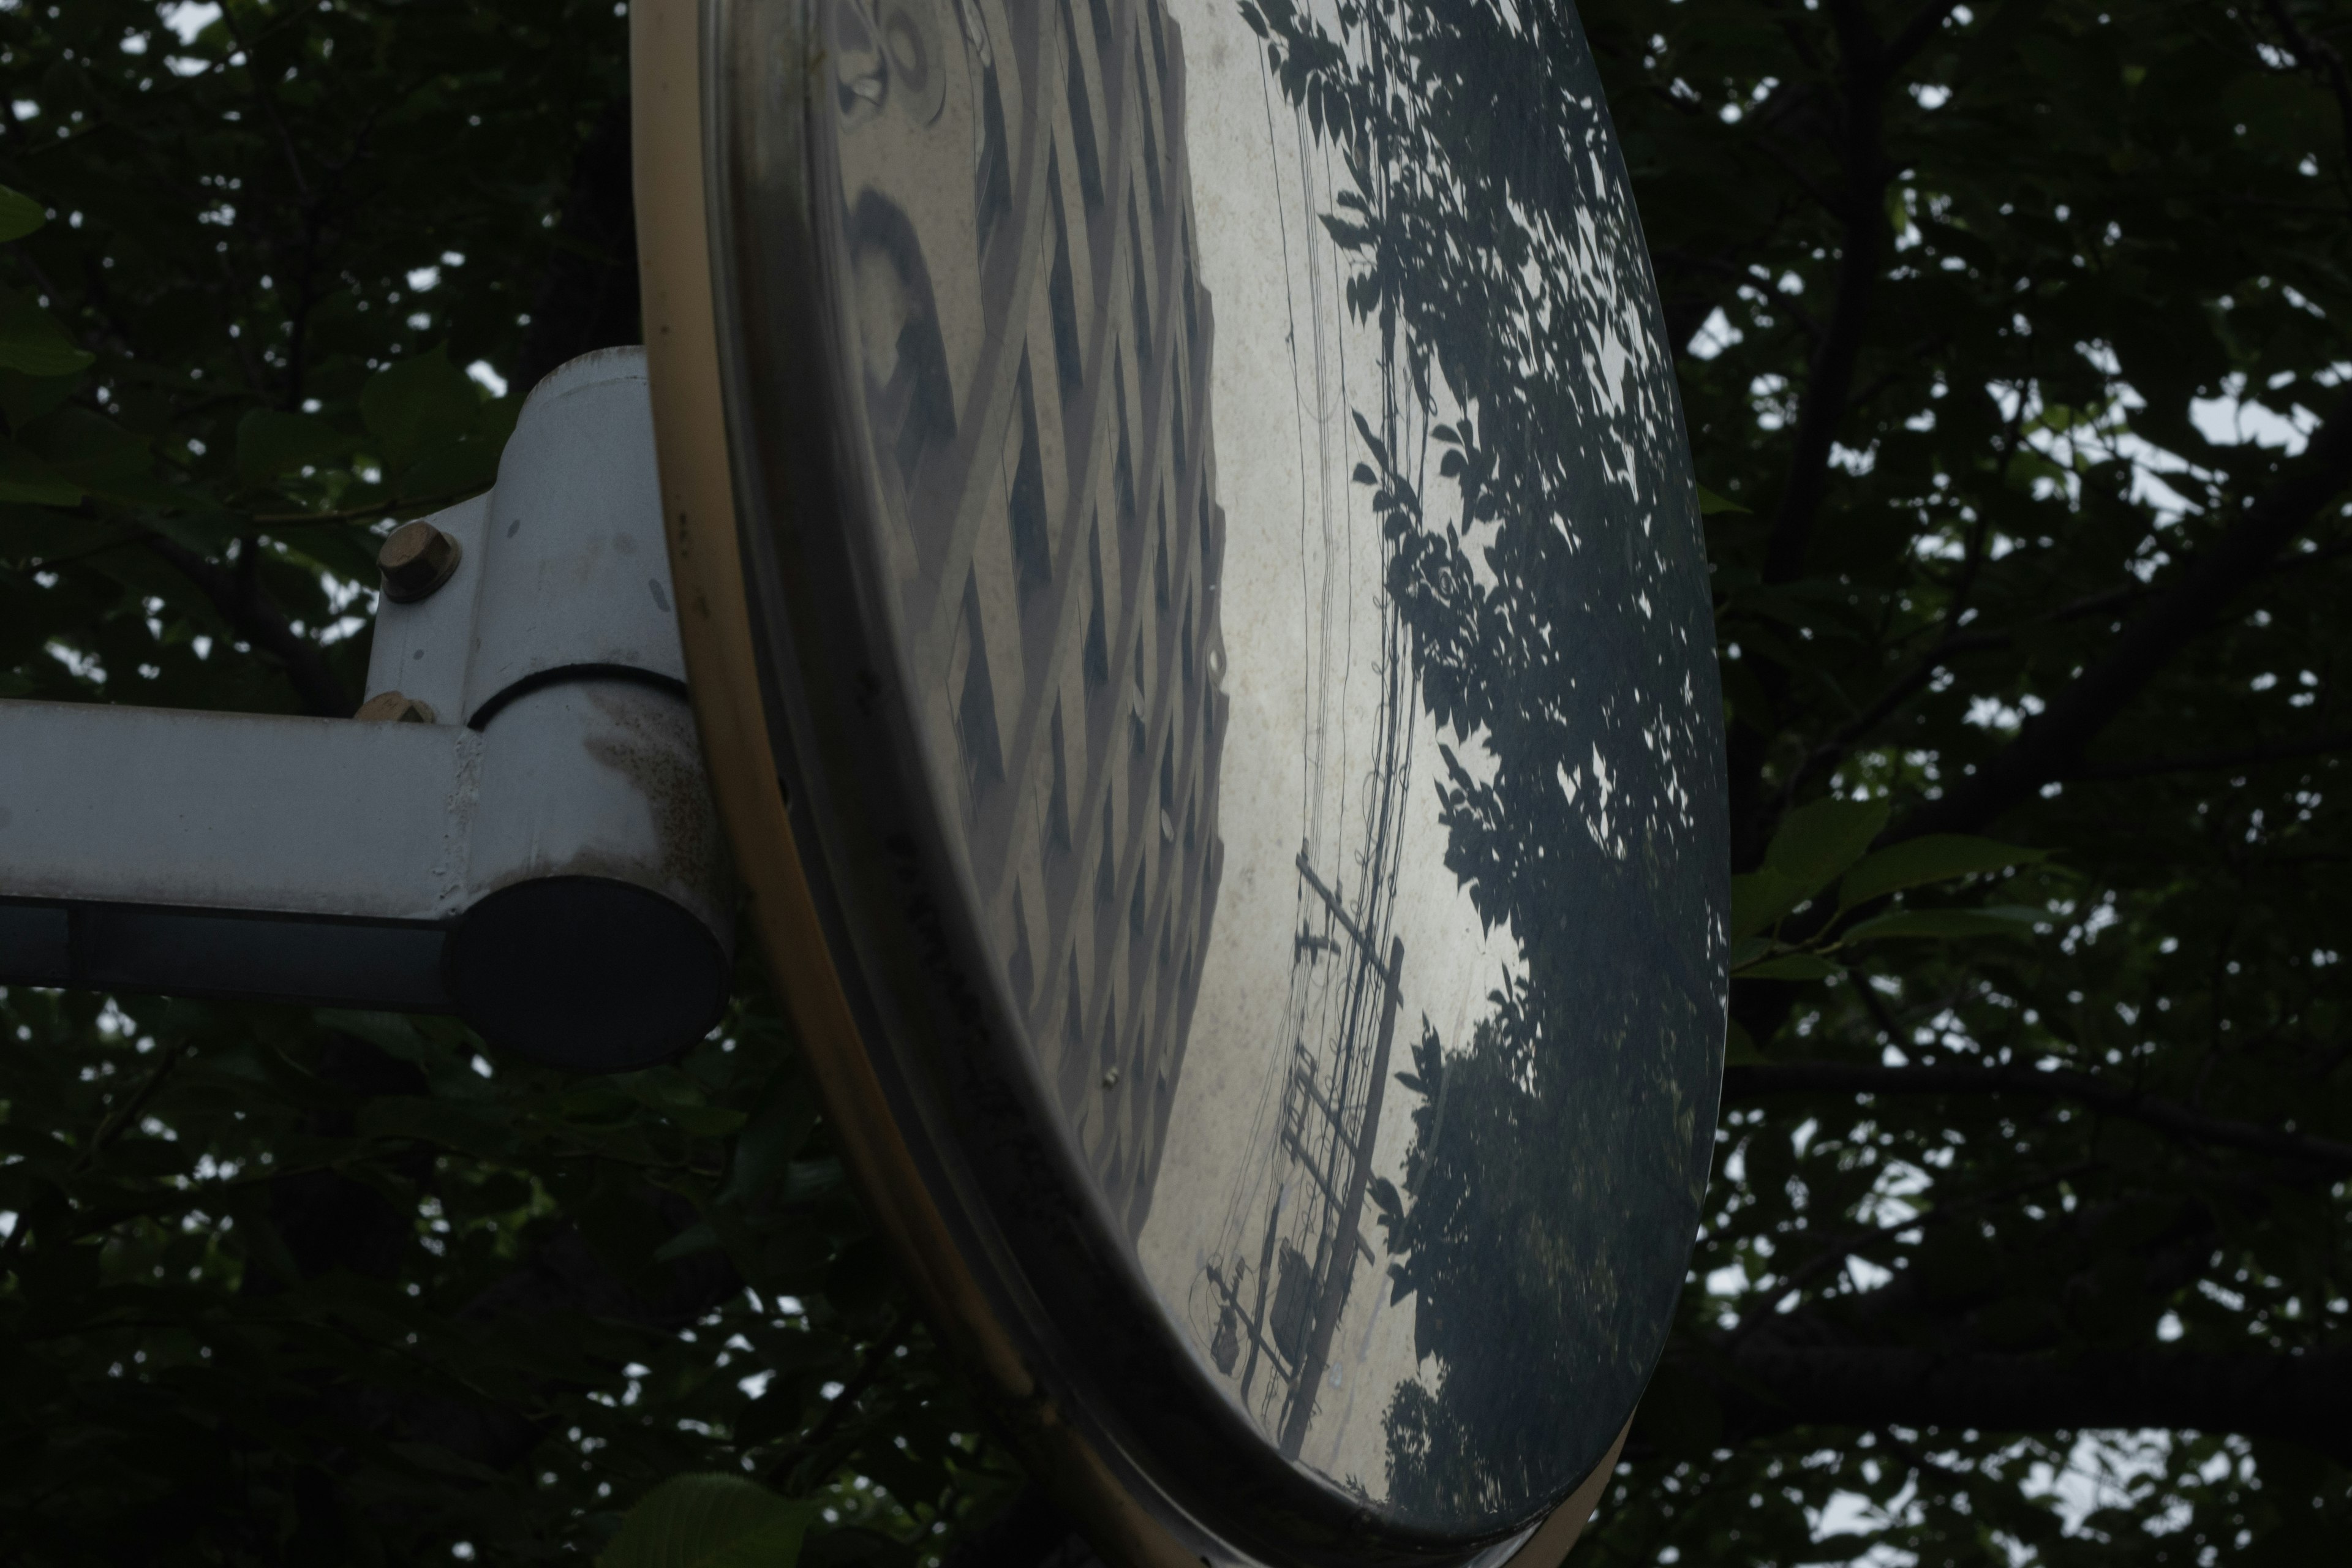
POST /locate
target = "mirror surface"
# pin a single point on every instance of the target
(1294, 571)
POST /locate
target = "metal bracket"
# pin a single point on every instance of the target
(522, 836)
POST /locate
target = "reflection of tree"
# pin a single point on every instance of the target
(1559, 619)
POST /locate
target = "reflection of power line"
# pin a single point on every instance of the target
(1279, 1280)
(1341, 1029)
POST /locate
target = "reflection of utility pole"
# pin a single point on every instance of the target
(1339, 1257)
(1229, 1293)
(1264, 1272)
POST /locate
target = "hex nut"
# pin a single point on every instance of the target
(415, 560)
(391, 708)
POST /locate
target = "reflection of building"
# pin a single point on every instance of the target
(1036, 354)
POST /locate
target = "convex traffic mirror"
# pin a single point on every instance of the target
(1193, 591)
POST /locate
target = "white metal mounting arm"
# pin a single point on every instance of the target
(524, 837)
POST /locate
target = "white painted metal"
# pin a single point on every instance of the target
(234, 811)
(573, 574)
(231, 854)
(422, 650)
(329, 860)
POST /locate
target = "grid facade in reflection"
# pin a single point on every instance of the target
(1037, 358)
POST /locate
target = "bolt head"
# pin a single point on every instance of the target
(415, 560)
(391, 708)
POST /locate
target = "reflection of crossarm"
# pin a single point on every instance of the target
(1346, 922)
(1244, 1323)
(1305, 1163)
(1303, 1075)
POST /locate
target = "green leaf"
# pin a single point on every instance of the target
(1709, 503)
(703, 1120)
(270, 442)
(417, 405)
(1758, 898)
(1814, 843)
(32, 341)
(1790, 966)
(1948, 925)
(1739, 1049)
(208, 532)
(1898, 209)
(25, 398)
(452, 470)
(697, 1237)
(710, 1521)
(20, 214)
(394, 1034)
(795, 1348)
(1938, 857)
(807, 1179)
(30, 534)
(473, 1128)
(782, 1124)
(25, 478)
(679, 1098)
(105, 459)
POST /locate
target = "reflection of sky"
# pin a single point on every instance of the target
(1301, 619)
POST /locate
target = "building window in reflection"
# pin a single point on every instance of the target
(1043, 638)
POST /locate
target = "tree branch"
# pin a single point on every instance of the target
(2213, 762)
(1829, 384)
(587, 299)
(257, 619)
(1918, 30)
(1032, 1532)
(784, 1472)
(1953, 645)
(1756, 1082)
(560, 1278)
(119, 1116)
(1828, 391)
(355, 513)
(1764, 1388)
(2319, 56)
(2049, 743)
(1832, 1251)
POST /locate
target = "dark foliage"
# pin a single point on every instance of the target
(2012, 342)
